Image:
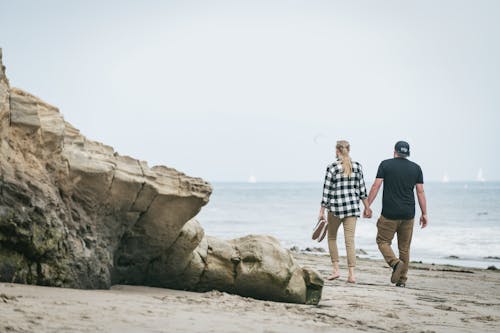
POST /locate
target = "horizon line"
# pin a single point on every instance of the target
(472, 181)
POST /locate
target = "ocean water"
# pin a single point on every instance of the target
(464, 219)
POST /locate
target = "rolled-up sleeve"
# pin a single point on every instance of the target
(327, 188)
(362, 185)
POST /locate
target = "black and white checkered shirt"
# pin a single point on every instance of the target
(341, 195)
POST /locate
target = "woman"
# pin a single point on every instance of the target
(343, 189)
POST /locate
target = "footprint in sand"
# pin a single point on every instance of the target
(445, 307)
(483, 319)
(431, 299)
(7, 298)
(355, 305)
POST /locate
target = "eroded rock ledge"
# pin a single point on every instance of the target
(75, 213)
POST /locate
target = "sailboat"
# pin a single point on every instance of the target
(252, 179)
(479, 176)
(445, 178)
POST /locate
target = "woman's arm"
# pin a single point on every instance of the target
(367, 213)
(321, 213)
(362, 186)
(326, 192)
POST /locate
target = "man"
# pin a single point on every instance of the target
(400, 176)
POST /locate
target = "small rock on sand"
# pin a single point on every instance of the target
(315, 249)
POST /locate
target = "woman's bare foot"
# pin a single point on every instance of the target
(334, 276)
(350, 276)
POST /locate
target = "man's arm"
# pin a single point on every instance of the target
(374, 190)
(373, 193)
(423, 204)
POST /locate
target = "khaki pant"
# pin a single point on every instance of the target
(349, 224)
(386, 230)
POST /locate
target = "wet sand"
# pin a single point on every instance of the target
(436, 299)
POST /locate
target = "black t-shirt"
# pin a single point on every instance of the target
(400, 176)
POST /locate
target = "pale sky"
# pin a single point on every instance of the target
(229, 89)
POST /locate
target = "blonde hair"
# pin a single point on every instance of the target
(343, 149)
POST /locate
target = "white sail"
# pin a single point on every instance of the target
(480, 177)
(445, 178)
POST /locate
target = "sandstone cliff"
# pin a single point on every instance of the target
(75, 213)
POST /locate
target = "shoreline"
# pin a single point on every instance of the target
(488, 263)
(287, 211)
(438, 298)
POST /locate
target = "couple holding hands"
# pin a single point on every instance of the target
(343, 190)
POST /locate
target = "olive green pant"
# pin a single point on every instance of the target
(385, 234)
(349, 224)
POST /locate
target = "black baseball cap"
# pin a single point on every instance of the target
(402, 148)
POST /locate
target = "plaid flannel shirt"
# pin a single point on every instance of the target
(341, 194)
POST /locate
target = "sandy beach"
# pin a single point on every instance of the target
(163, 165)
(437, 299)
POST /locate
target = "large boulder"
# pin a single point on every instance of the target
(75, 213)
(257, 266)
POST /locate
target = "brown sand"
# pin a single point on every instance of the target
(437, 299)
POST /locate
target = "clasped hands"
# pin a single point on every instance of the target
(367, 213)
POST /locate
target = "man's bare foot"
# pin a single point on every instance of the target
(334, 276)
(351, 280)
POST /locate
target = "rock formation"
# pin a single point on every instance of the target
(75, 213)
